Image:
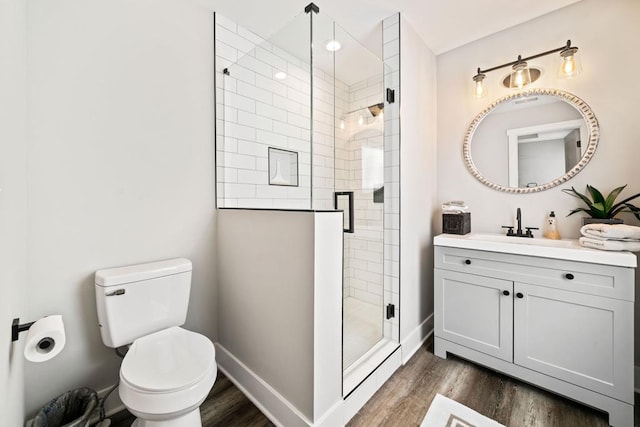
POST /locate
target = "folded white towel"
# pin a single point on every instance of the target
(455, 206)
(455, 210)
(611, 231)
(609, 245)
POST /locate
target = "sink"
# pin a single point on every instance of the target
(567, 249)
(500, 238)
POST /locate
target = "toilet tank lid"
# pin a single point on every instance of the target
(135, 273)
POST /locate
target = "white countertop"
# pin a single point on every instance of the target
(567, 249)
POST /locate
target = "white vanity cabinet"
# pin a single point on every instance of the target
(551, 316)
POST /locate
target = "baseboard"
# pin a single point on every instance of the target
(414, 340)
(271, 403)
(636, 379)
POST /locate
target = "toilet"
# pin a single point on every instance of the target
(168, 371)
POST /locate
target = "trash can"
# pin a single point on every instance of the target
(71, 409)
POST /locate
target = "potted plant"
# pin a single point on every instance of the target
(603, 209)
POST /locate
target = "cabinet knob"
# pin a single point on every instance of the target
(505, 293)
(568, 276)
(520, 295)
(467, 261)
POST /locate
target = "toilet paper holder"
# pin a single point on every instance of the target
(16, 328)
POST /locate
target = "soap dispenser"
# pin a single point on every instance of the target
(551, 228)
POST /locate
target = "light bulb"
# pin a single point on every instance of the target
(518, 79)
(570, 63)
(332, 45)
(479, 89)
(568, 66)
(360, 120)
(341, 124)
(520, 76)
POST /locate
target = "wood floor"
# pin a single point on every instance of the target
(404, 399)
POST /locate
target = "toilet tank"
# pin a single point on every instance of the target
(137, 300)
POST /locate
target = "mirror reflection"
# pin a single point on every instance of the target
(540, 153)
(531, 141)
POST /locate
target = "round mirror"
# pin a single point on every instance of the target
(531, 141)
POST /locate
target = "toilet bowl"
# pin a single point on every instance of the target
(168, 371)
(165, 377)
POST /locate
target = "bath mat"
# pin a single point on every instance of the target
(445, 412)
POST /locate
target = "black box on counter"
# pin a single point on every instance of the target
(456, 223)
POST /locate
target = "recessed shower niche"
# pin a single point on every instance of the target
(283, 167)
(312, 95)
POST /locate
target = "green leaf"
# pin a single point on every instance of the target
(598, 210)
(574, 193)
(626, 207)
(578, 210)
(628, 199)
(611, 198)
(595, 194)
(634, 209)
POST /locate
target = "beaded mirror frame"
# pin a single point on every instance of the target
(584, 109)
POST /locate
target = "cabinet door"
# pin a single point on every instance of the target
(584, 339)
(473, 311)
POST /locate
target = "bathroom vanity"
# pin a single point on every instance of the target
(551, 313)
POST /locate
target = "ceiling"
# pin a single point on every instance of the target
(442, 24)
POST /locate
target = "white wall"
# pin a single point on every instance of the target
(13, 205)
(120, 165)
(417, 187)
(605, 32)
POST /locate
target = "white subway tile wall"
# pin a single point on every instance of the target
(256, 110)
(362, 174)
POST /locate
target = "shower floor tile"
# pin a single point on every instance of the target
(362, 329)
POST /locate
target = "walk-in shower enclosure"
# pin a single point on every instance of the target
(304, 130)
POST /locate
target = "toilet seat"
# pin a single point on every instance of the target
(167, 372)
(169, 360)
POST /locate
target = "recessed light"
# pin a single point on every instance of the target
(333, 45)
(280, 75)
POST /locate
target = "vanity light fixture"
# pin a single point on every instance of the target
(523, 75)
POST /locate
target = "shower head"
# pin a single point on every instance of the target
(376, 109)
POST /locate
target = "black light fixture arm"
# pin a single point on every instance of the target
(521, 59)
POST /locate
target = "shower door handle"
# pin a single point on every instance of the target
(343, 201)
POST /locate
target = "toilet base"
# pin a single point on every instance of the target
(190, 419)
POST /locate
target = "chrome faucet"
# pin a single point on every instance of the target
(518, 232)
